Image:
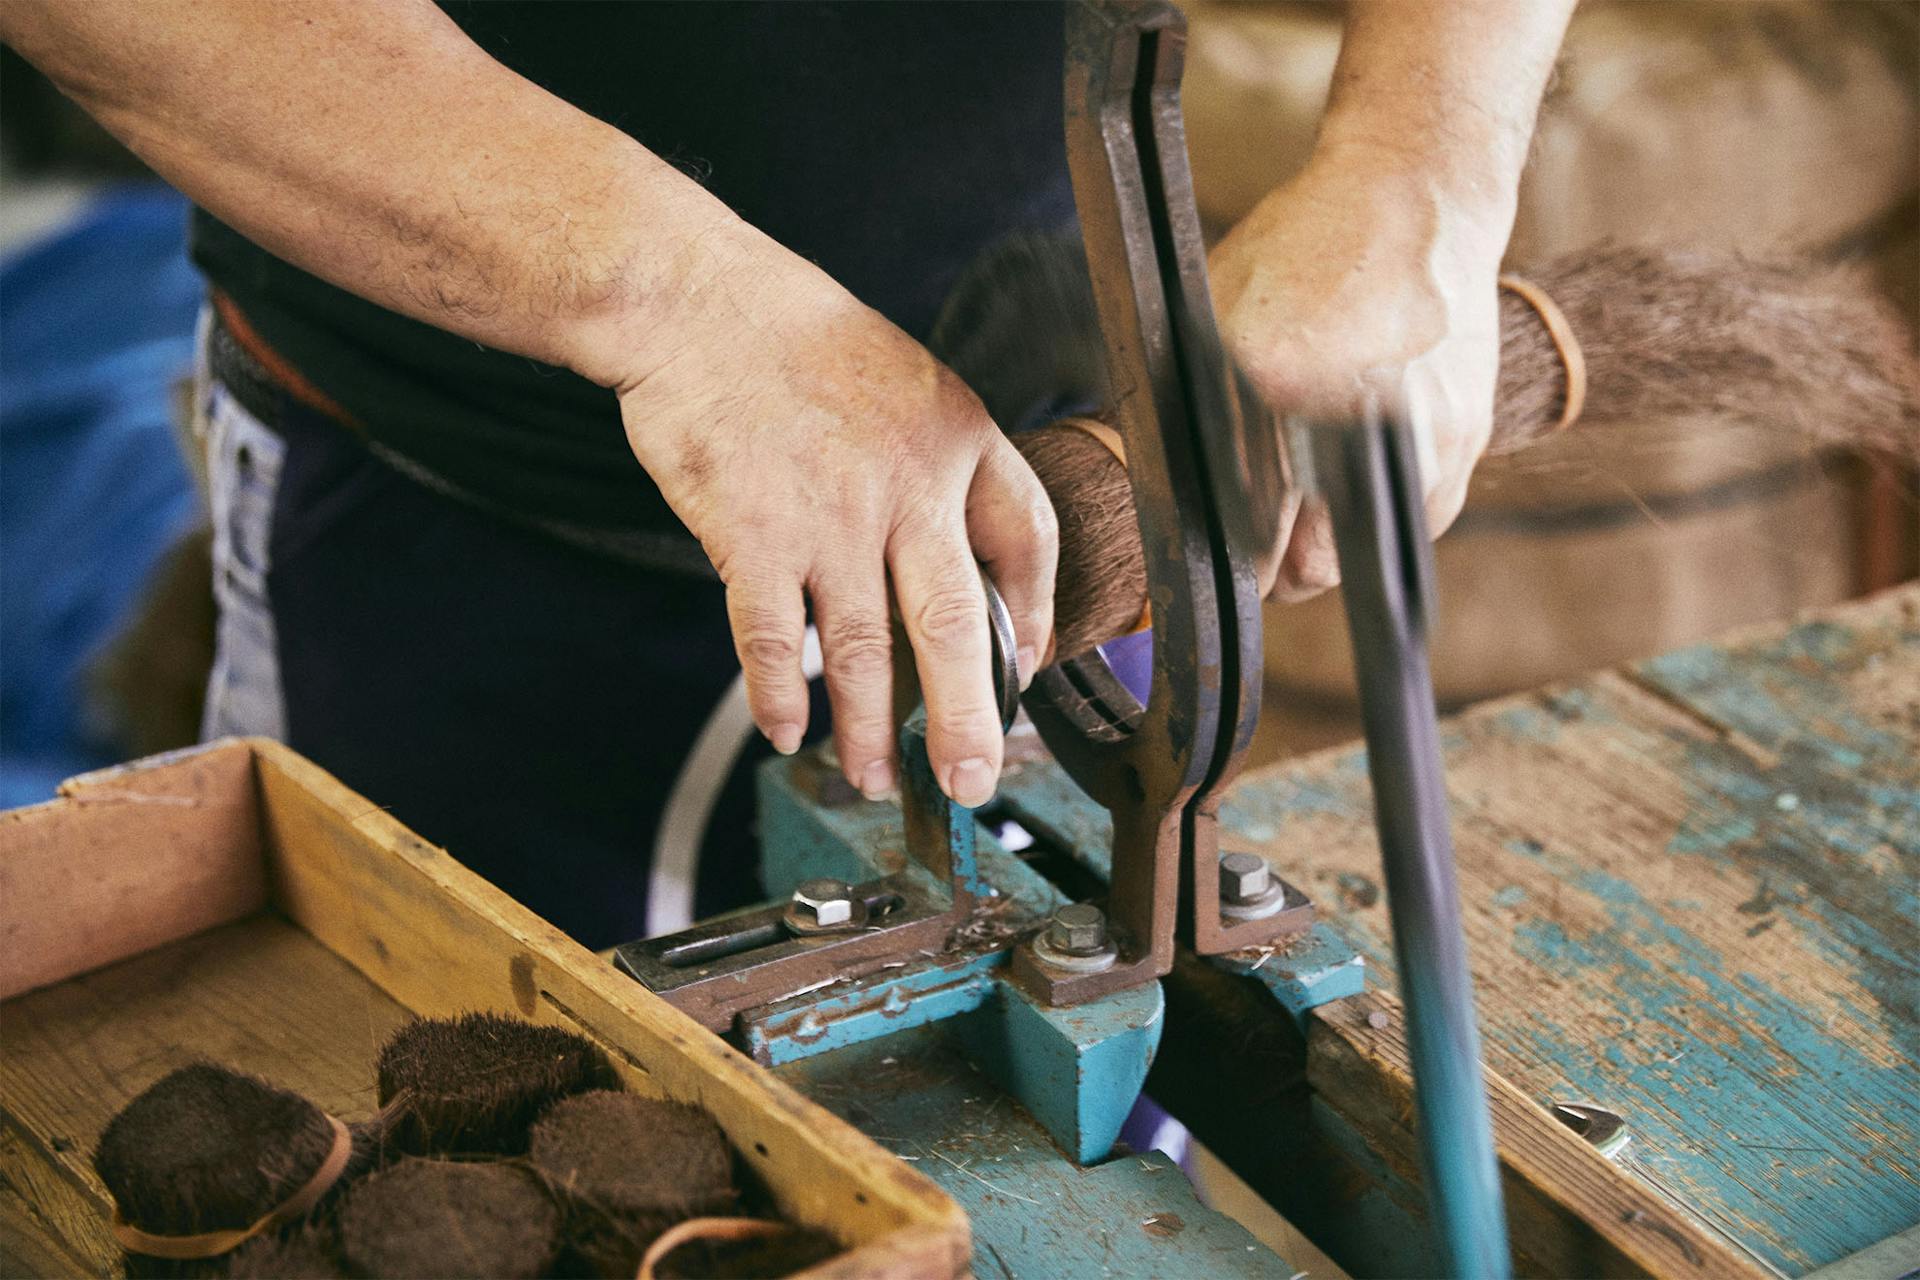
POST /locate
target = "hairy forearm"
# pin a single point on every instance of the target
(371, 143)
(1449, 89)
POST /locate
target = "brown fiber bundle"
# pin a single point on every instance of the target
(476, 1083)
(627, 1168)
(1102, 579)
(208, 1149)
(1665, 334)
(306, 1253)
(1677, 334)
(447, 1218)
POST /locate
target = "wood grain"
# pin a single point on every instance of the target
(48, 1226)
(438, 940)
(258, 995)
(1691, 894)
(170, 848)
(1569, 1210)
(371, 923)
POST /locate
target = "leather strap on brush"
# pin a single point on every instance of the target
(708, 1230)
(210, 1244)
(1572, 359)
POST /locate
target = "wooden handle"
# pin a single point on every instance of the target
(1666, 335)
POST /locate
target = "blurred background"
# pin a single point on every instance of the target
(1763, 126)
(1766, 127)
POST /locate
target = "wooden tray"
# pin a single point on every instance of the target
(235, 902)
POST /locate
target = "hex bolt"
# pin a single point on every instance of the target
(822, 901)
(1244, 878)
(1078, 929)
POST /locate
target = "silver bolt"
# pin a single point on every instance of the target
(1079, 928)
(1244, 877)
(822, 901)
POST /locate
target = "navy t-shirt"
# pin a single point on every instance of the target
(889, 142)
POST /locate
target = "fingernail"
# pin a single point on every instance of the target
(971, 782)
(785, 738)
(877, 780)
(1023, 662)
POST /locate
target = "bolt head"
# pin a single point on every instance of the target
(824, 901)
(1244, 877)
(1078, 928)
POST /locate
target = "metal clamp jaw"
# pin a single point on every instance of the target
(726, 966)
(1207, 483)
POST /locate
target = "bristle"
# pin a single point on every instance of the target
(304, 1253)
(1810, 352)
(209, 1149)
(441, 1218)
(627, 1168)
(475, 1084)
(1687, 339)
(1101, 583)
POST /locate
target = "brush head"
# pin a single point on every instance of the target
(442, 1218)
(304, 1253)
(1100, 585)
(762, 1258)
(628, 1168)
(209, 1149)
(474, 1084)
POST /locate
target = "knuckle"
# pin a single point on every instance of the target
(1319, 572)
(1318, 580)
(962, 734)
(1043, 527)
(768, 648)
(859, 651)
(949, 617)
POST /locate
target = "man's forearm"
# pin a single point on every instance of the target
(1452, 86)
(374, 145)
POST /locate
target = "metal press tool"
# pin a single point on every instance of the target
(898, 919)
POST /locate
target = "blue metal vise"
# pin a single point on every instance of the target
(919, 913)
(1079, 1070)
(926, 862)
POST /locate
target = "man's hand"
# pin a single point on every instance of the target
(821, 454)
(1372, 275)
(815, 449)
(1356, 282)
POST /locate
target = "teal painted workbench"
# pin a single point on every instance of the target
(1692, 895)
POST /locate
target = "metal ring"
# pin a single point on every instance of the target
(1006, 670)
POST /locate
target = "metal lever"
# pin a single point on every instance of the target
(1195, 467)
(1368, 475)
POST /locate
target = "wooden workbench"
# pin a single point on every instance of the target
(1692, 895)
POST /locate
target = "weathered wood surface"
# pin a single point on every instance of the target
(1692, 895)
(1035, 1215)
(372, 921)
(1570, 1212)
(150, 865)
(259, 995)
(440, 940)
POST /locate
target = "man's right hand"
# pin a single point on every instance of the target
(820, 454)
(816, 450)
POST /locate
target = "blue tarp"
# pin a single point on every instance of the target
(96, 327)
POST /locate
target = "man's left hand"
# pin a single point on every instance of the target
(1357, 282)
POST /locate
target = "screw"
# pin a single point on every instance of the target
(1078, 929)
(1244, 878)
(822, 901)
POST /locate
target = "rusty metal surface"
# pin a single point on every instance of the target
(1196, 486)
